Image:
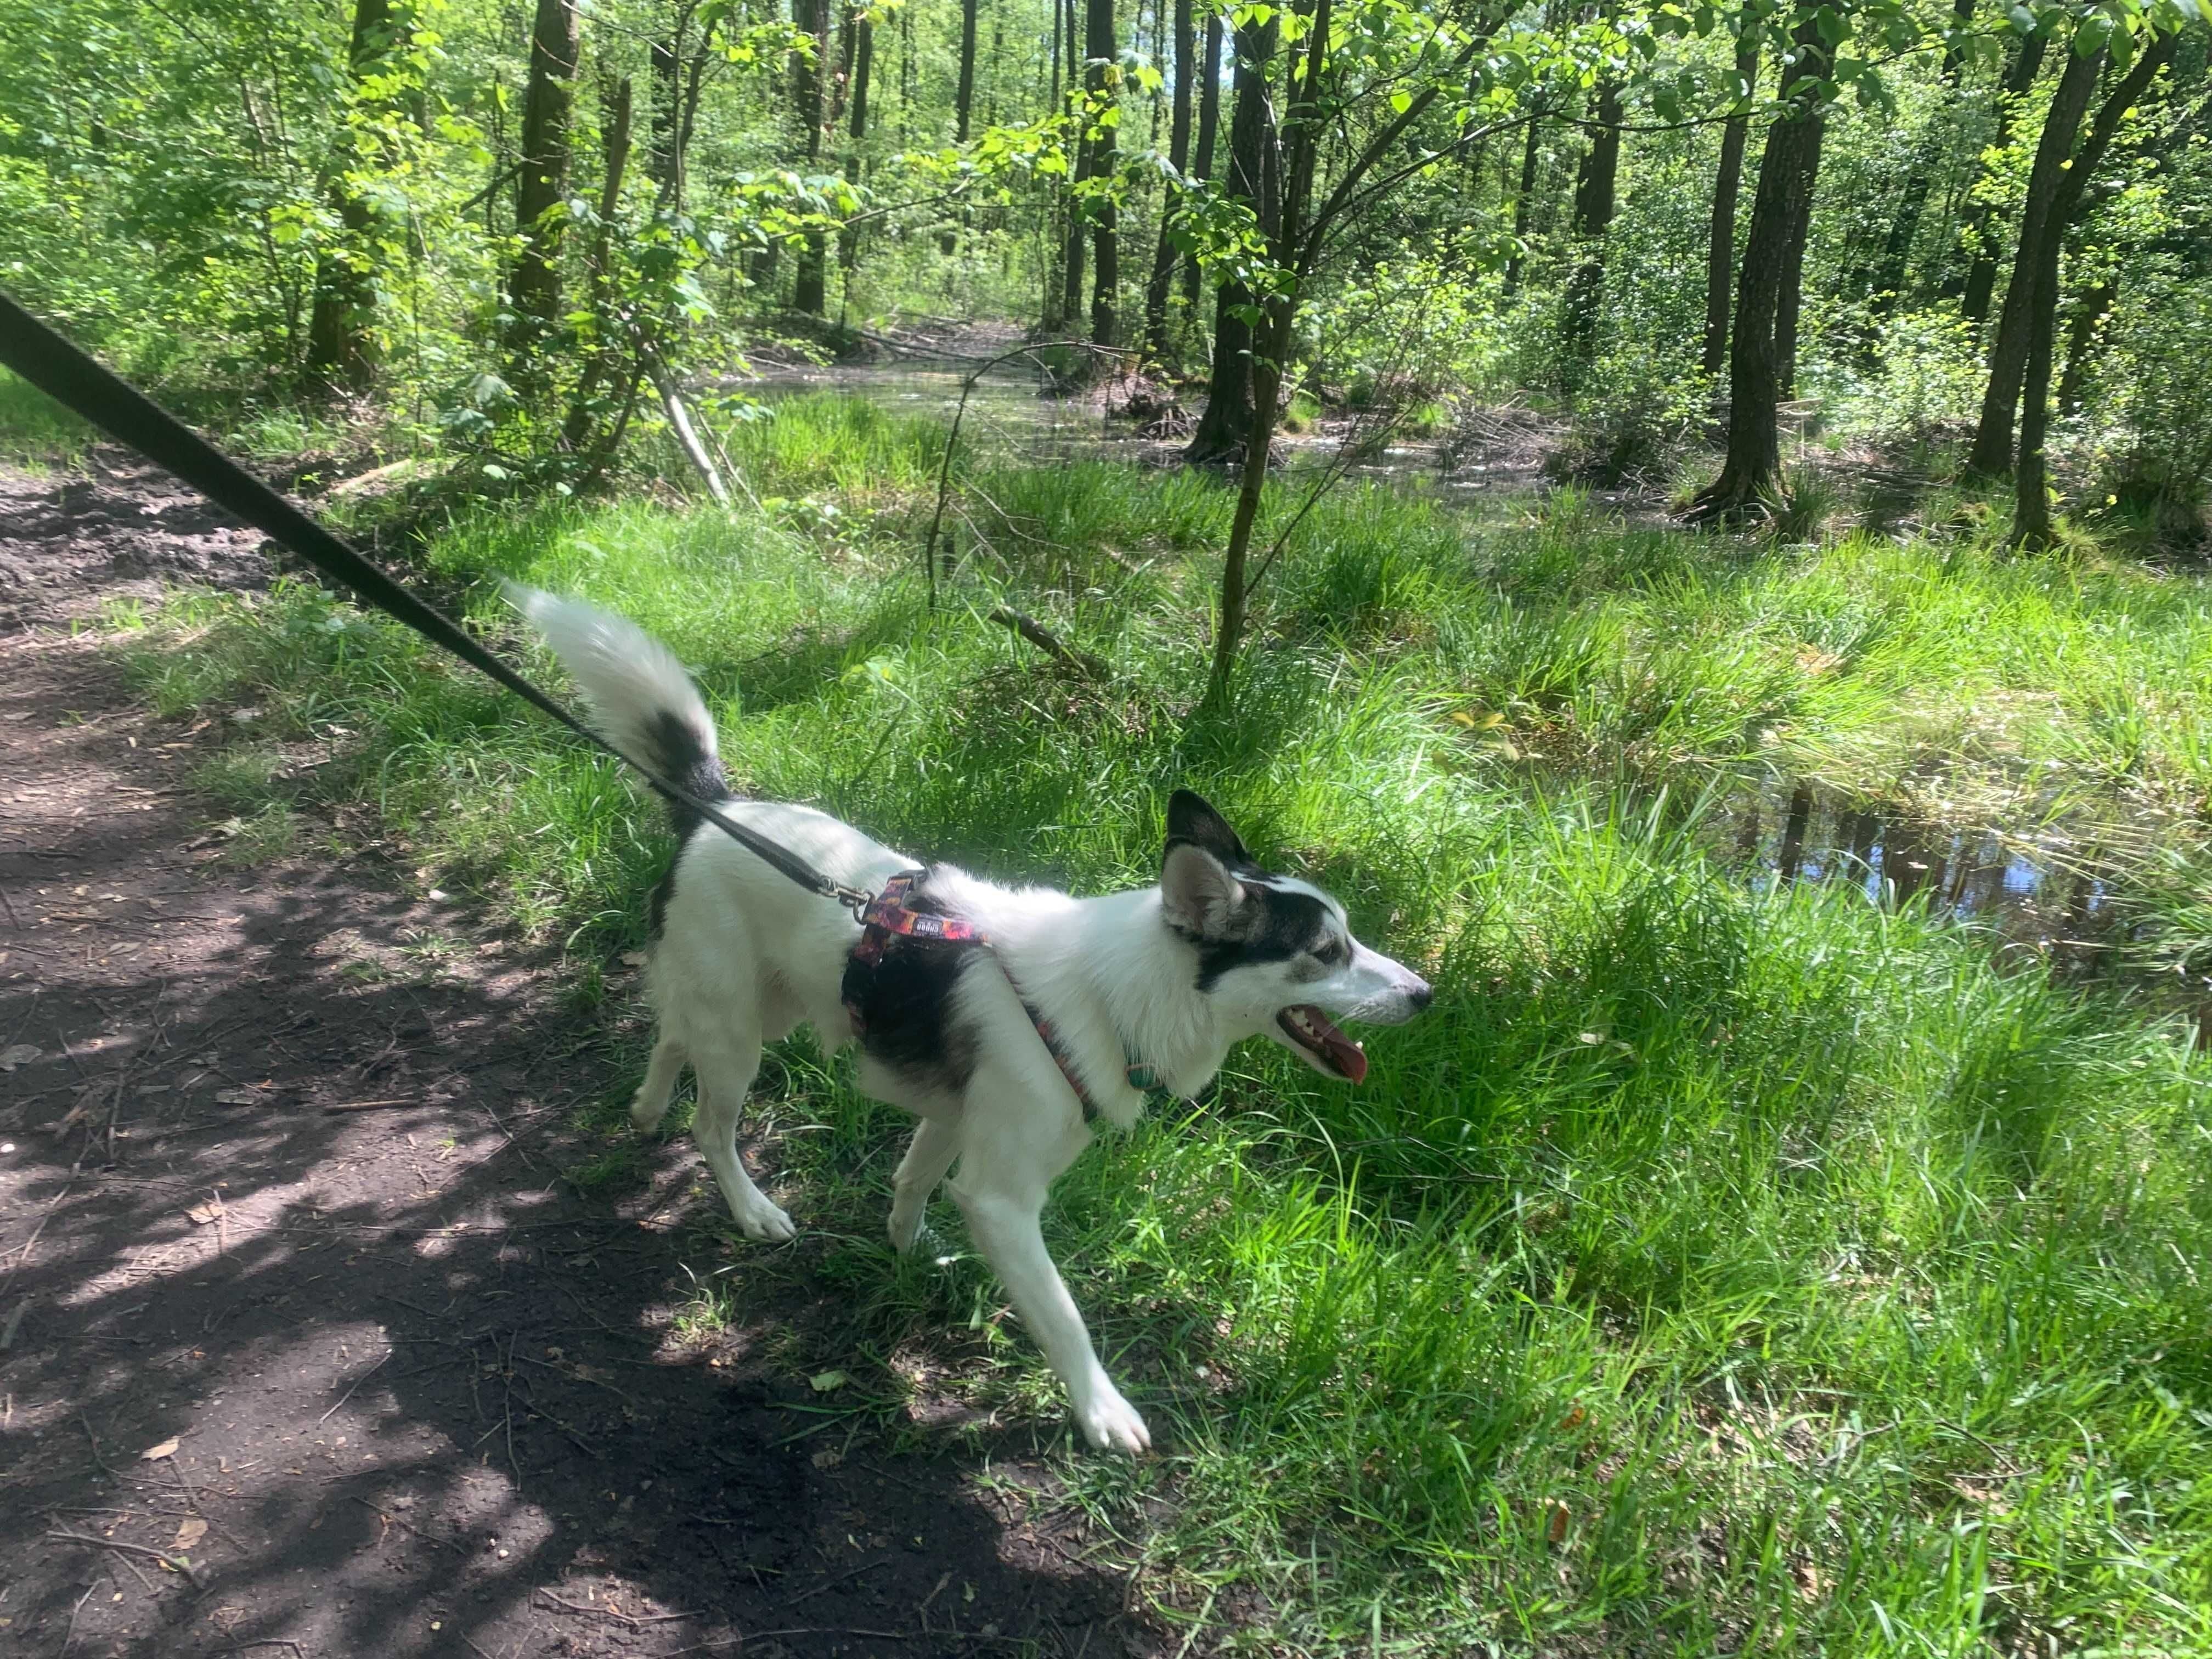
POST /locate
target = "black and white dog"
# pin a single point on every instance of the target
(1153, 985)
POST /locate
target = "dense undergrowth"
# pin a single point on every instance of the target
(1709, 1269)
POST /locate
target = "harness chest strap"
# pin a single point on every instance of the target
(888, 916)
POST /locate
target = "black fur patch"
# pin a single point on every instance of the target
(905, 1003)
(674, 751)
(1278, 925)
(664, 895)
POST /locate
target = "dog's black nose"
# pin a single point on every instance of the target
(1422, 998)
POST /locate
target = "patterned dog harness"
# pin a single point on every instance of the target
(888, 916)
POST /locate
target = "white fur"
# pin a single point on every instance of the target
(747, 954)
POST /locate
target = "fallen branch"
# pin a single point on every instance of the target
(687, 439)
(1051, 644)
(176, 1563)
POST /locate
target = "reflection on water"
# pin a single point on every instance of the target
(2043, 893)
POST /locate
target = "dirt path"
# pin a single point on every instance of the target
(290, 1288)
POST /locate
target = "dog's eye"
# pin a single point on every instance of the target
(1335, 953)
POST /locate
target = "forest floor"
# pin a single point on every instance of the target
(305, 1345)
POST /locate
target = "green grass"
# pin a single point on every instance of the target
(35, 431)
(1708, 1270)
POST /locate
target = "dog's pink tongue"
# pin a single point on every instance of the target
(1351, 1059)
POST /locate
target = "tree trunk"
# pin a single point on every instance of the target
(341, 337)
(1101, 80)
(1720, 245)
(667, 111)
(1284, 220)
(1522, 201)
(963, 99)
(2032, 499)
(810, 290)
(1594, 191)
(1163, 257)
(1226, 424)
(1209, 123)
(864, 59)
(614, 127)
(1897, 246)
(1991, 454)
(1072, 247)
(534, 286)
(1751, 475)
(1792, 293)
(1982, 274)
(2089, 319)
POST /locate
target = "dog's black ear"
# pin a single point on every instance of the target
(1199, 894)
(1191, 818)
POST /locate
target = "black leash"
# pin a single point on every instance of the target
(76, 379)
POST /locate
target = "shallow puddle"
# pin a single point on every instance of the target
(2044, 893)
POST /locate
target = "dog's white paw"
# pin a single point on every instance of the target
(906, 1231)
(645, 1114)
(1111, 1422)
(767, 1222)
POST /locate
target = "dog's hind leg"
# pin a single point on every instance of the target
(936, 1144)
(725, 1073)
(661, 1072)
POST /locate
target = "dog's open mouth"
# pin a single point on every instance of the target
(1308, 1027)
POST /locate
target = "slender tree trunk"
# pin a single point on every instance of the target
(1072, 261)
(1053, 319)
(1163, 257)
(1209, 123)
(811, 283)
(1897, 245)
(1227, 422)
(1751, 476)
(614, 127)
(963, 97)
(1982, 273)
(665, 60)
(2031, 527)
(1991, 454)
(864, 59)
(534, 286)
(1594, 191)
(1305, 122)
(1524, 203)
(2089, 319)
(341, 324)
(1102, 77)
(1720, 244)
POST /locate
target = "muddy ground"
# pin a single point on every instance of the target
(306, 1347)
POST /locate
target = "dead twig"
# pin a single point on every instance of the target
(391, 1519)
(831, 1583)
(636, 1622)
(357, 1382)
(1051, 644)
(24, 1255)
(175, 1563)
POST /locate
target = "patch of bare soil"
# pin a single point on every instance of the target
(306, 1347)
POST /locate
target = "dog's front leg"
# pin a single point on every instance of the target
(1002, 1196)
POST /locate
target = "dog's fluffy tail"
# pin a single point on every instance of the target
(642, 700)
